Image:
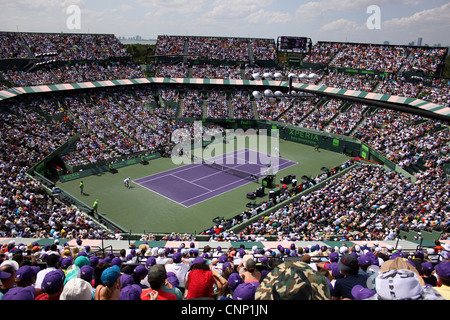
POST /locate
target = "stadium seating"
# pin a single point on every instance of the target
(114, 122)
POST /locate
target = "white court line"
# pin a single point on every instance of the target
(190, 182)
(195, 166)
(192, 166)
(180, 203)
(218, 194)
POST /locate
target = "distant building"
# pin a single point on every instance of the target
(419, 42)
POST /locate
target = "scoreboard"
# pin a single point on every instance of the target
(294, 44)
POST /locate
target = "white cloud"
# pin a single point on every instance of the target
(41, 5)
(234, 9)
(427, 20)
(314, 9)
(170, 7)
(262, 16)
(342, 26)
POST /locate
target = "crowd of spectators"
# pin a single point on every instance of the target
(425, 60)
(298, 112)
(49, 48)
(192, 104)
(216, 72)
(217, 105)
(170, 45)
(264, 49)
(371, 57)
(364, 203)
(357, 82)
(73, 73)
(212, 48)
(66, 47)
(60, 271)
(271, 110)
(114, 123)
(242, 105)
(347, 120)
(384, 58)
(11, 46)
(217, 48)
(400, 87)
(26, 209)
(322, 115)
(404, 138)
(25, 79)
(180, 70)
(438, 92)
(323, 53)
(168, 93)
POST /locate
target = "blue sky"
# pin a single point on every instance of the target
(401, 21)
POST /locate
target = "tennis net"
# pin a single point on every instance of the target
(235, 172)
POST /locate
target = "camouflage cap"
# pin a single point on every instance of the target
(293, 280)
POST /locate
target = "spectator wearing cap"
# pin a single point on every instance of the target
(116, 261)
(398, 264)
(79, 262)
(293, 280)
(234, 279)
(77, 289)
(437, 247)
(93, 261)
(98, 270)
(52, 263)
(66, 263)
(172, 280)
(428, 274)
(402, 284)
(249, 272)
(131, 292)
(200, 280)
(361, 293)
(151, 261)
(26, 275)
(225, 291)
(364, 263)
(126, 280)
(172, 284)
(12, 263)
(417, 260)
(52, 285)
(162, 257)
(239, 256)
(110, 287)
(245, 291)
(179, 267)
(443, 276)
(333, 257)
(306, 258)
(156, 278)
(349, 267)
(139, 273)
(20, 293)
(7, 276)
(87, 273)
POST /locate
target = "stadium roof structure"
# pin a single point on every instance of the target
(403, 104)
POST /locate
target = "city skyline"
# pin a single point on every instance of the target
(365, 21)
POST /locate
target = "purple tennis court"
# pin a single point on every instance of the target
(194, 183)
